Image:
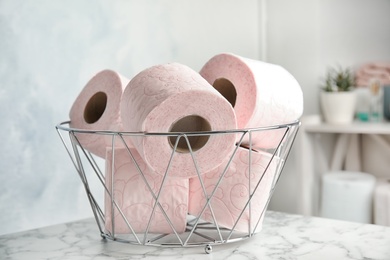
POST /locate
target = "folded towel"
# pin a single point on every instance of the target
(373, 71)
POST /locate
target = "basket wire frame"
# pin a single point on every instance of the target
(198, 232)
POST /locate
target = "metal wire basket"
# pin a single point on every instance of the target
(205, 223)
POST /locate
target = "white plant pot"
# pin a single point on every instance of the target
(338, 107)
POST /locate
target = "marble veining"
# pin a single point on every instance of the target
(284, 236)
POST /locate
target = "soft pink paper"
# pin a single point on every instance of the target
(158, 97)
(135, 199)
(267, 94)
(113, 84)
(233, 191)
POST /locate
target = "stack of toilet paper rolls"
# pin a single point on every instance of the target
(153, 182)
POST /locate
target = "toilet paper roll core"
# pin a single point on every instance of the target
(227, 89)
(95, 107)
(193, 123)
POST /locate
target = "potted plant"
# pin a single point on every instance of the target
(338, 98)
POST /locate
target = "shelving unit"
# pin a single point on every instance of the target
(356, 127)
(311, 153)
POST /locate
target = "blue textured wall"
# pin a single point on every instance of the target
(49, 49)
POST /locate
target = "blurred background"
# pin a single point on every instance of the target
(49, 49)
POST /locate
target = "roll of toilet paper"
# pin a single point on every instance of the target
(134, 197)
(234, 190)
(97, 107)
(347, 196)
(382, 202)
(261, 93)
(174, 98)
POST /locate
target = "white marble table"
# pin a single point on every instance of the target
(283, 236)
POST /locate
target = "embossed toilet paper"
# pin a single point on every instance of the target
(234, 190)
(134, 185)
(261, 93)
(174, 98)
(97, 107)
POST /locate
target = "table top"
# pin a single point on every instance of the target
(284, 236)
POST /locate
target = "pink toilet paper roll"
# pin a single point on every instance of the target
(261, 93)
(97, 107)
(174, 98)
(135, 200)
(234, 190)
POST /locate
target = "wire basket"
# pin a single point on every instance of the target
(209, 217)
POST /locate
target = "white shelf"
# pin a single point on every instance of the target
(312, 156)
(356, 127)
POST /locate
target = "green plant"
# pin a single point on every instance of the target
(338, 80)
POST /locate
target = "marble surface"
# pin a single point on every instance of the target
(284, 236)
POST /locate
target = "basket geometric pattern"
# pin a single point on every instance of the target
(218, 211)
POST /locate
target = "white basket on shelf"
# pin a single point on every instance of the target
(211, 217)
